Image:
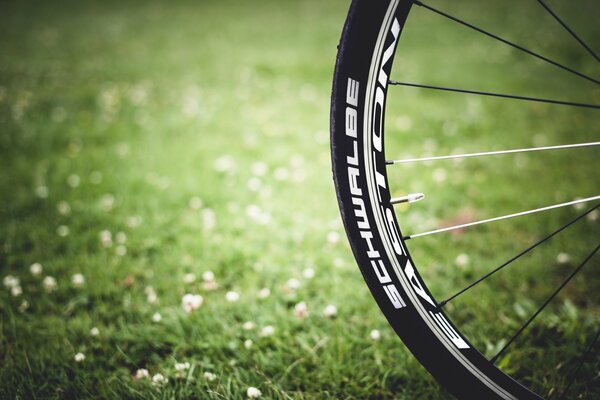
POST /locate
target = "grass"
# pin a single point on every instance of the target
(141, 142)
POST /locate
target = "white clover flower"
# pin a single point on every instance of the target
(79, 357)
(462, 260)
(293, 284)
(301, 310)
(253, 184)
(330, 311)
(41, 192)
(78, 280)
(333, 237)
(281, 174)
(209, 219)
(133, 221)
(107, 202)
(141, 373)
(62, 231)
(593, 216)
(308, 273)
(49, 284)
(563, 258)
(189, 278)
(11, 281)
(156, 317)
(94, 331)
(121, 250)
(182, 366)
(264, 293)
(267, 331)
(121, 238)
(23, 306)
(73, 181)
(159, 379)
(253, 393)
(375, 334)
(232, 296)
(224, 163)
(35, 269)
(209, 376)
(248, 325)
(16, 291)
(195, 203)
(151, 295)
(191, 302)
(63, 208)
(259, 168)
(106, 238)
(247, 343)
(210, 285)
(208, 276)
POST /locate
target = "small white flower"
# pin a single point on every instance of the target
(151, 295)
(23, 306)
(248, 325)
(121, 250)
(106, 238)
(62, 231)
(224, 164)
(195, 203)
(79, 357)
(267, 331)
(209, 219)
(281, 174)
(253, 393)
(563, 258)
(159, 379)
(78, 280)
(439, 175)
(73, 180)
(121, 237)
(301, 310)
(94, 331)
(292, 284)
(308, 273)
(333, 237)
(182, 366)
(208, 276)
(210, 285)
(232, 296)
(375, 334)
(63, 208)
(141, 373)
(259, 168)
(41, 192)
(11, 281)
(35, 269)
(462, 260)
(253, 184)
(156, 317)
(107, 202)
(189, 278)
(191, 302)
(133, 221)
(264, 293)
(593, 216)
(247, 343)
(330, 311)
(16, 291)
(209, 376)
(49, 284)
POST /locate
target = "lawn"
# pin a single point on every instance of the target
(167, 207)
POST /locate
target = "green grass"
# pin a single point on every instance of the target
(119, 116)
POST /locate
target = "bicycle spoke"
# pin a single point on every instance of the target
(509, 261)
(519, 214)
(560, 21)
(493, 153)
(546, 302)
(580, 363)
(411, 198)
(505, 96)
(514, 45)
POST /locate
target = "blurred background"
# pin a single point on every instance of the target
(169, 226)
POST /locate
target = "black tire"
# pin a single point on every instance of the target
(364, 61)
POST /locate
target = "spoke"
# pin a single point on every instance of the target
(494, 153)
(410, 198)
(516, 46)
(527, 250)
(560, 21)
(548, 300)
(502, 95)
(582, 359)
(519, 214)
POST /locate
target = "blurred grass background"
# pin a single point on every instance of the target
(144, 144)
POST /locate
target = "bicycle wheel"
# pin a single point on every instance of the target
(362, 76)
